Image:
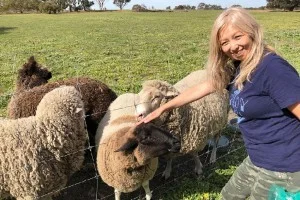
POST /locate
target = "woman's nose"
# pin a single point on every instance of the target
(234, 47)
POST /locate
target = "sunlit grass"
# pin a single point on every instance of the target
(123, 49)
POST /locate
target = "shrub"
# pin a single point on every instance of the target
(139, 8)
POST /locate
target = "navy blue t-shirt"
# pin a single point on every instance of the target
(271, 132)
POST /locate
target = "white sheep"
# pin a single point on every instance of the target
(195, 123)
(197, 77)
(37, 153)
(122, 105)
(191, 79)
(127, 153)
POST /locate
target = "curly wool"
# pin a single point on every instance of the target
(95, 95)
(118, 169)
(121, 170)
(123, 105)
(216, 104)
(191, 79)
(194, 123)
(36, 153)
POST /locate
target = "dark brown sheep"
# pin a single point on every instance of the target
(32, 86)
(32, 75)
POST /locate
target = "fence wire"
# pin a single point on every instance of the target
(163, 187)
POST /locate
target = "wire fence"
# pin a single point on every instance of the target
(87, 184)
(88, 174)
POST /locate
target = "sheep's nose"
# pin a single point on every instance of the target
(140, 117)
(140, 110)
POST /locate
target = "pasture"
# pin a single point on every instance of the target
(123, 49)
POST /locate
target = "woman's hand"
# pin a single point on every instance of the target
(295, 109)
(151, 116)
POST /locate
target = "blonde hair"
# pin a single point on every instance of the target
(219, 65)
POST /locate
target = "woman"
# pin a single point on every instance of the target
(265, 93)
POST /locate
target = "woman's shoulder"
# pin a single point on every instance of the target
(271, 57)
(273, 63)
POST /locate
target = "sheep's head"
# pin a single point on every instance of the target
(32, 75)
(154, 94)
(148, 141)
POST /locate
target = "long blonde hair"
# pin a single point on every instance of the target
(219, 65)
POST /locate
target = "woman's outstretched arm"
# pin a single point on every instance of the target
(194, 93)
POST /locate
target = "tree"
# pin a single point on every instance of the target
(184, 7)
(289, 5)
(49, 6)
(139, 8)
(72, 5)
(101, 4)
(86, 4)
(236, 6)
(20, 5)
(203, 6)
(121, 3)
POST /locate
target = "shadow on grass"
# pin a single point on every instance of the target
(5, 30)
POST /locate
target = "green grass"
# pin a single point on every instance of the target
(123, 49)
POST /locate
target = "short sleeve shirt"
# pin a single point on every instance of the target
(271, 132)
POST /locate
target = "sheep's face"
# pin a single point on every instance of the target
(148, 141)
(32, 75)
(148, 100)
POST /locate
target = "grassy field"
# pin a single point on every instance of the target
(123, 49)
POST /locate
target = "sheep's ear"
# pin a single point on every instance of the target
(49, 75)
(30, 67)
(128, 145)
(172, 94)
(31, 59)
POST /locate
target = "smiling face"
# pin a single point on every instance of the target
(235, 43)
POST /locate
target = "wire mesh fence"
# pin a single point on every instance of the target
(86, 182)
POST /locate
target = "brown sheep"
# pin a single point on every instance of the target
(127, 158)
(32, 86)
(32, 75)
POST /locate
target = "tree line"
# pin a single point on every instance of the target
(288, 5)
(55, 6)
(48, 6)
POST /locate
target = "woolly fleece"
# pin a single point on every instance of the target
(95, 95)
(37, 153)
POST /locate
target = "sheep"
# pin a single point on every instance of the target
(96, 95)
(191, 79)
(123, 105)
(128, 158)
(195, 123)
(31, 75)
(197, 77)
(127, 153)
(37, 152)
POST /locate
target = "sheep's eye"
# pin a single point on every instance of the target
(147, 141)
(146, 137)
(155, 98)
